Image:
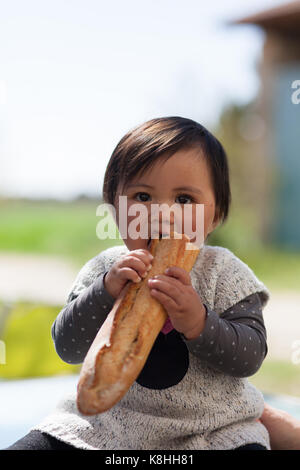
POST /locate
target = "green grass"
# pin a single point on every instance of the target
(276, 268)
(278, 377)
(47, 227)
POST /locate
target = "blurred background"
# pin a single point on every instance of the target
(74, 78)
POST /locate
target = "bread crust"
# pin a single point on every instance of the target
(123, 343)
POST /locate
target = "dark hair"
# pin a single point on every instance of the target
(142, 146)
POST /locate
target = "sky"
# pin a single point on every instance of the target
(76, 75)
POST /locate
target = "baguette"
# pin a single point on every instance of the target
(123, 343)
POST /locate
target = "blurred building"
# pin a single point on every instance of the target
(279, 105)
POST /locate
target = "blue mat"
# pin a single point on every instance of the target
(286, 403)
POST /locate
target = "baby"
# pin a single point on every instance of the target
(193, 391)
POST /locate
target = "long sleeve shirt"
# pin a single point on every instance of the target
(233, 342)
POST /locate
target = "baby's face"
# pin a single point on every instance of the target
(182, 179)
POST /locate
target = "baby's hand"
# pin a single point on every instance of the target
(131, 267)
(175, 292)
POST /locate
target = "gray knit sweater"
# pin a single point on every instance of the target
(207, 409)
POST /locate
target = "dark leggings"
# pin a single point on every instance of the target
(37, 440)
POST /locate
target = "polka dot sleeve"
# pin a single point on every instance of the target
(235, 341)
(77, 324)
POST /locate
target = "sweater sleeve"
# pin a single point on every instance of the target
(235, 341)
(77, 324)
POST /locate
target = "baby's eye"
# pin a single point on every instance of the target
(142, 197)
(182, 199)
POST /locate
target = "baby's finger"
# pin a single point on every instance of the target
(142, 254)
(180, 274)
(172, 281)
(129, 274)
(166, 287)
(136, 263)
(167, 302)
